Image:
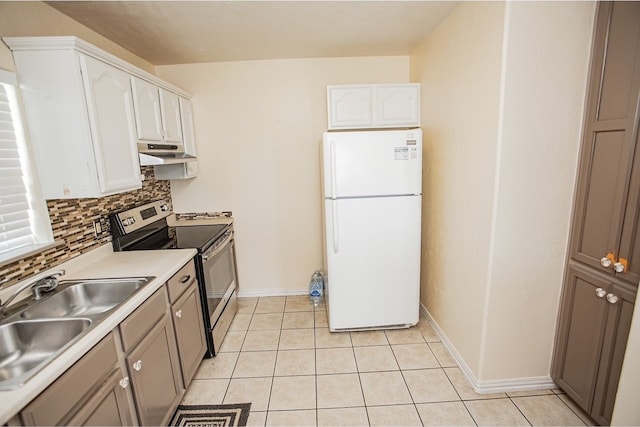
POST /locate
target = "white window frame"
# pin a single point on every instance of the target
(40, 224)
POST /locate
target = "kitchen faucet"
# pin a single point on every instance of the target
(38, 287)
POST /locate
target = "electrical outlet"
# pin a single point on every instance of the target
(97, 228)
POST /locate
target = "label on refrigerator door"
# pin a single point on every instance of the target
(401, 153)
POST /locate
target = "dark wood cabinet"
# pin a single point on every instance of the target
(603, 270)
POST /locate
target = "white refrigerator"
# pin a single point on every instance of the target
(372, 188)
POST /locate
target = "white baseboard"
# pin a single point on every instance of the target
(271, 293)
(491, 386)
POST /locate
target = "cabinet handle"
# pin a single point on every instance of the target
(124, 383)
(605, 261)
(179, 313)
(612, 298)
(621, 265)
(137, 365)
(600, 293)
(185, 279)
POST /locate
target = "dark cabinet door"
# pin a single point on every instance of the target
(604, 267)
(580, 334)
(592, 338)
(155, 375)
(620, 304)
(606, 200)
(630, 240)
(188, 323)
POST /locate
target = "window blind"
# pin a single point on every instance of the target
(16, 228)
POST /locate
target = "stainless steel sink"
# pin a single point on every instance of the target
(35, 334)
(26, 345)
(85, 298)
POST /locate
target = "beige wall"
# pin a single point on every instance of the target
(458, 66)
(503, 94)
(32, 18)
(259, 125)
(545, 66)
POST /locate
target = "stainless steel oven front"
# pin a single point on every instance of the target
(218, 270)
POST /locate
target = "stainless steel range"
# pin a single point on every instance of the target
(146, 228)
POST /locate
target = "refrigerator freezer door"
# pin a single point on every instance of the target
(373, 261)
(364, 164)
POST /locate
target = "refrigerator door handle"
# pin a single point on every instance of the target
(332, 153)
(334, 226)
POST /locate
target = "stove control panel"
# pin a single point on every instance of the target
(125, 222)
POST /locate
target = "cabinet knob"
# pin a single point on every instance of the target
(621, 265)
(600, 293)
(179, 313)
(124, 382)
(137, 365)
(612, 298)
(605, 262)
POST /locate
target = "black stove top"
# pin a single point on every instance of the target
(196, 236)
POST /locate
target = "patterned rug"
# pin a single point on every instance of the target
(211, 415)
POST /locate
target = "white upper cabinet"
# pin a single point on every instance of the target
(86, 111)
(171, 118)
(110, 109)
(182, 170)
(79, 112)
(157, 113)
(373, 106)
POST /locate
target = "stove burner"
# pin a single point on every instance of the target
(202, 215)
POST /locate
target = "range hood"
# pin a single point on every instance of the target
(163, 154)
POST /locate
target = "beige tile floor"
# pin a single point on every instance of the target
(280, 356)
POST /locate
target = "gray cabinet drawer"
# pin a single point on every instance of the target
(136, 326)
(181, 280)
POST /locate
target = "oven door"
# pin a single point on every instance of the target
(219, 275)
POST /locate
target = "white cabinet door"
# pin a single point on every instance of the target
(398, 105)
(182, 170)
(157, 112)
(350, 107)
(110, 107)
(373, 106)
(146, 101)
(170, 113)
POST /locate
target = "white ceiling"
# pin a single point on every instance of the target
(179, 32)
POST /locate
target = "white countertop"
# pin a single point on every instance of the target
(99, 263)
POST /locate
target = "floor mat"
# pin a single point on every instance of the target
(211, 415)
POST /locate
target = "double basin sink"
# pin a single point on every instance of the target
(36, 334)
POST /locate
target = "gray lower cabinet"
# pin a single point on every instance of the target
(90, 392)
(137, 374)
(189, 327)
(108, 406)
(149, 342)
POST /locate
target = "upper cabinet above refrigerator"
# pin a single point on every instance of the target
(373, 106)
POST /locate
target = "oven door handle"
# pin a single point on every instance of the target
(217, 249)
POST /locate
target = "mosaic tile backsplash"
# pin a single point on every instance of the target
(72, 222)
